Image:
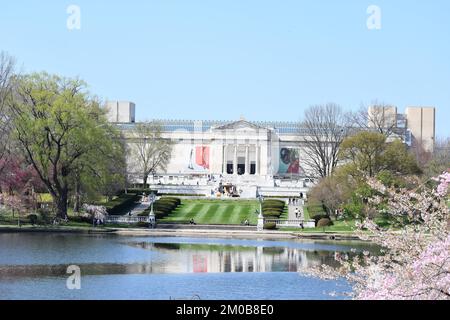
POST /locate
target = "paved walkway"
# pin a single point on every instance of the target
(291, 215)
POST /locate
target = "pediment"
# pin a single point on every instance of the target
(241, 125)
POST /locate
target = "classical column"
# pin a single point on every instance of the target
(235, 165)
(224, 159)
(257, 164)
(247, 160)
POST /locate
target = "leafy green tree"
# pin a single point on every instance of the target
(330, 193)
(101, 173)
(365, 154)
(365, 150)
(62, 131)
(370, 153)
(398, 160)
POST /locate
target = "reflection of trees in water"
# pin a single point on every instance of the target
(167, 246)
(273, 250)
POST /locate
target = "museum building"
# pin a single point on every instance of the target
(263, 154)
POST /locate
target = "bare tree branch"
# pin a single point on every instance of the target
(149, 150)
(378, 116)
(324, 127)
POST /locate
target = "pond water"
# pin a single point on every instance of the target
(34, 266)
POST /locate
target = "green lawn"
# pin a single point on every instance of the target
(306, 213)
(214, 212)
(339, 226)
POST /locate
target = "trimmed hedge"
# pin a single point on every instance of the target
(273, 203)
(122, 204)
(275, 214)
(270, 226)
(273, 208)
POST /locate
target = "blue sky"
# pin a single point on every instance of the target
(265, 60)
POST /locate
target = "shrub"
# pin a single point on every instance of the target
(273, 203)
(121, 204)
(142, 225)
(32, 218)
(81, 219)
(325, 222)
(319, 217)
(139, 191)
(273, 208)
(46, 217)
(270, 226)
(275, 214)
(172, 199)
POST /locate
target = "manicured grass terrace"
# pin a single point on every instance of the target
(214, 212)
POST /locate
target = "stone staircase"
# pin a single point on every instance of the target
(141, 207)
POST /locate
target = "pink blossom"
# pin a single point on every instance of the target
(414, 262)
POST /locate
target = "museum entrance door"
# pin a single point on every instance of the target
(241, 166)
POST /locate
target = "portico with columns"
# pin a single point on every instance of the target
(244, 149)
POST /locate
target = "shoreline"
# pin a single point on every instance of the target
(223, 233)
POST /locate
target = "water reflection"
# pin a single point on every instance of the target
(33, 266)
(185, 258)
(211, 258)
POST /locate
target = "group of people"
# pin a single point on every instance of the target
(297, 213)
(295, 201)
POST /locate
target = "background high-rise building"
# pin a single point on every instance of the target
(121, 111)
(417, 126)
(421, 123)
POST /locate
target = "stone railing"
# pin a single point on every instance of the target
(125, 219)
(292, 223)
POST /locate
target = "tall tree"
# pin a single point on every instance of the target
(7, 64)
(149, 150)
(324, 128)
(58, 126)
(365, 151)
(100, 173)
